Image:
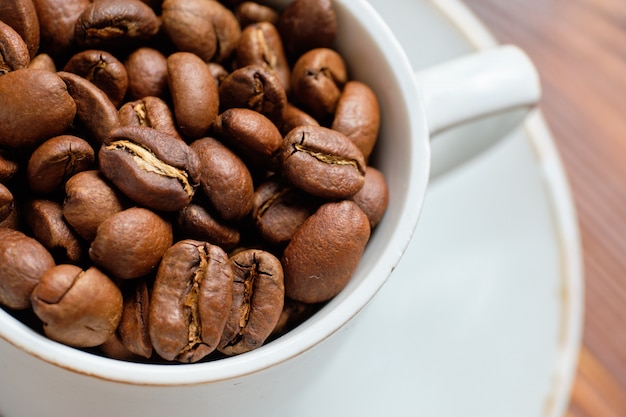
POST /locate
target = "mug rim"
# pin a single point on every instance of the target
(330, 319)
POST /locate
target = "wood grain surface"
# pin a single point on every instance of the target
(579, 48)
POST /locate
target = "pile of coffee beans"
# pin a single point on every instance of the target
(180, 180)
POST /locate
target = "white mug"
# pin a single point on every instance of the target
(39, 377)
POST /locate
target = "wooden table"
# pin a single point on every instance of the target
(579, 47)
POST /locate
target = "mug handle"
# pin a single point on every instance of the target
(488, 82)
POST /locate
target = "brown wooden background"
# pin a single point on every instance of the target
(579, 47)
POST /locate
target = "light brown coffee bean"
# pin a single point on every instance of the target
(43, 61)
(34, 106)
(307, 24)
(103, 70)
(45, 220)
(89, 200)
(294, 117)
(358, 116)
(149, 112)
(373, 198)
(317, 80)
(151, 168)
(146, 69)
(78, 308)
(250, 12)
(13, 51)
(115, 24)
(322, 162)
(56, 160)
(224, 179)
(129, 244)
(325, 251)
(258, 298)
(95, 113)
(21, 15)
(206, 28)
(133, 329)
(196, 221)
(194, 93)
(23, 260)
(191, 301)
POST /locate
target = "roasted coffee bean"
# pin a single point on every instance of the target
(293, 314)
(196, 222)
(317, 80)
(194, 93)
(45, 220)
(56, 160)
(133, 329)
(43, 61)
(358, 116)
(280, 209)
(307, 24)
(325, 251)
(149, 112)
(258, 298)
(294, 117)
(260, 44)
(114, 348)
(146, 69)
(13, 51)
(254, 87)
(34, 106)
(322, 162)
(151, 168)
(130, 243)
(255, 137)
(218, 71)
(7, 203)
(23, 260)
(115, 24)
(224, 178)
(95, 113)
(373, 198)
(78, 308)
(191, 301)
(21, 15)
(8, 168)
(205, 28)
(102, 69)
(250, 12)
(57, 20)
(89, 200)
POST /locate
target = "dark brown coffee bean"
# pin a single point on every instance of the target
(224, 178)
(129, 244)
(256, 88)
(250, 12)
(133, 329)
(43, 61)
(322, 162)
(103, 70)
(205, 28)
(218, 71)
(196, 222)
(260, 44)
(149, 112)
(21, 15)
(89, 200)
(194, 93)
(8, 168)
(294, 117)
(146, 69)
(358, 116)
(191, 301)
(307, 24)
(45, 219)
(7, 203)
(114, 348)
(78, 308)
(95, 113)
(23, 260)
(255, 137)
(56, 160)
(280, 209)
(115, 24)
(325, 252)
(13, 51)
(317, 80)
(57, 20)
(151, 168)
(34, 106)
(373, 198)
(294, 313)
(258, 298)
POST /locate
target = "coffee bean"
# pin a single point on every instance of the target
(13, 51)
(307, 24)
(57, 20)
(250, 12)
(149, 112)
(196, 221)
(21, 15)
(133, 329)
(373, 198)
(146, 69)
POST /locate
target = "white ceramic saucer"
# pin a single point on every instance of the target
(483, 315)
